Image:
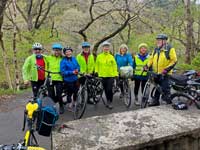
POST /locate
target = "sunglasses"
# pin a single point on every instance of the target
(37, 49)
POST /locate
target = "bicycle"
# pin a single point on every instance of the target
(92, 88)
(43, 91)
(126, 93)
(187, 89)
(183, 86)
(29, 142)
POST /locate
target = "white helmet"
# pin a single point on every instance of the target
(106, 43)
(37, 46)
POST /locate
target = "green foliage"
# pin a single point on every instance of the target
(138, 39)
(195, 64)
(6, 92)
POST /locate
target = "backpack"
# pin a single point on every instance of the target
(47, 117)
(167, 51)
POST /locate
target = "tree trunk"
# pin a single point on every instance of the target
(5, 63)
(14, 46)
(189, 31)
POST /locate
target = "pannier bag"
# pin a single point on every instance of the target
(126, 72)
(46, 120)
(47, 117)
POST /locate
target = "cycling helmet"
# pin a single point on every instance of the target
(105, 43)
(142, 45)
(67, 48)
(162, 37)
(57, 46)
(37, 46)
(85, 44)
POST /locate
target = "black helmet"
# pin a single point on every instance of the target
(67, 48)
(162, 37)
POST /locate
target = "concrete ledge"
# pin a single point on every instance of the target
(150, 129)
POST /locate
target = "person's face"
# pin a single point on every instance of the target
(37, 51)
(57, 52)
(160, 42)
(68, 53)
(86, 49)
(123, 50)
(143, 50)
(106, 48)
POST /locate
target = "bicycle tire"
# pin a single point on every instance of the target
(126, 94)
(145, 96)
(80, 104)
(99, 95)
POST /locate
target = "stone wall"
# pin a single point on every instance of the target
(155, 128)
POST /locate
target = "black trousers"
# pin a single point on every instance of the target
(139, 82)
(72, 89)
(36, 86)
(108, 85)
(164, 83)
(55, 91)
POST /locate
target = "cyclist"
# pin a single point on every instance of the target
(55, 91)
(123, 58)
(86, 62)
(162, 61)
(106, 68)
(140, 77)
(69, 68)
(30, 71)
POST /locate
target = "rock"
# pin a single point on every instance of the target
(150, 127)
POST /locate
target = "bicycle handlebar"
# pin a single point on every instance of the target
(50, 72)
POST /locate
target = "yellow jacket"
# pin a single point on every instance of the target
(106, 65)
(159, 63)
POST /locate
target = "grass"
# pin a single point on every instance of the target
(11, 92)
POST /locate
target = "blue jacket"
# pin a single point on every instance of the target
(67, 66)
(124, 60)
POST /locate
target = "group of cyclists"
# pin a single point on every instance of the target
(105, 66)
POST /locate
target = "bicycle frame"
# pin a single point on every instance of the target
(30, 115)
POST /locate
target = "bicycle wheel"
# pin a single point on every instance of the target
(80, 104)
(98, 93)
(126, 94)
(145, 95)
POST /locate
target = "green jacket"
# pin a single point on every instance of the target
(29, 69)
(86, 67)
(106, 65)
(53, 64)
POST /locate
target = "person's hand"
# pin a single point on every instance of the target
(95, 74)
(26, 82)
(75, 72)
(164, 72)
(145, 68)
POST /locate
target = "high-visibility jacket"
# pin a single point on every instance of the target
(53, 65)
(106, 65)
(86, 67)
(139, 64)
(29, 69)
(159, 62)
